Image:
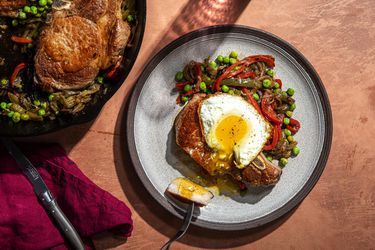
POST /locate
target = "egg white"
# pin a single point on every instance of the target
(217, 107)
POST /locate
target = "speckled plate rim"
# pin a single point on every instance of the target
(300, 59)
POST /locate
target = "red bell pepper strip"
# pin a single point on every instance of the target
(23, 40)
(293, 125)
(252, 100)
(241, 185)
(275, 138)
(268, 112)
(267, 59)
(279, 82)
(17, 70)
(247, 74)
(181, 85)
(225, 74)
(113, 70)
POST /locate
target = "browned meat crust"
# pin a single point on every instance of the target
(83, 38)
(68, 56)
(9, 8)
(188, 132)
(12, 4)
(189, 137)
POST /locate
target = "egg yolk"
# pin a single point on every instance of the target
(229, 132)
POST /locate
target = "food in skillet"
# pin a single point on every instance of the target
(69, 48)
(236, 119)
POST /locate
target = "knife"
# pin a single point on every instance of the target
(44, 195)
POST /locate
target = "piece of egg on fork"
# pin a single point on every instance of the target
(187, 190)
(233, 129)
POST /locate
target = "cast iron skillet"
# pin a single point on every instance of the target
(31, 128)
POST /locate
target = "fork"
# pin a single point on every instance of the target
(183, 229)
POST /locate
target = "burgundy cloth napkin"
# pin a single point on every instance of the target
(24, 224)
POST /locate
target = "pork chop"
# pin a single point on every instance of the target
(82, 38)
(9, 8)
(260, 172)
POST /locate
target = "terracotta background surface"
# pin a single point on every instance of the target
(338, 38)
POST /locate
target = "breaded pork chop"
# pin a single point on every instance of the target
(189, 137)
(82, 38)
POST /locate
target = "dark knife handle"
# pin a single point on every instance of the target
(66, 228)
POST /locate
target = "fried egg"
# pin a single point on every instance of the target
(233, 129)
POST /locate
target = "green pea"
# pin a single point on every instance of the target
(226, 59)
(38, 15)
(286, 120)
(34, 10)
(22, 15)
(203, 86)
(187, 87)
(36, 102)
(50, 97)
(14, 22)
(276, 85)
(16, 117)
(231, 92)
(49, 2)
(179, 76)
(3, 105)
(269, 158)
(225, 88)
(41, 9)
(266, 83)
(9, 105)
(256, 96)
(41, 112)
(232, 60)
(295, 150)
(283, 161)
(42, 2)
(277, 90)
(270, 72)
(289, 113)
(290, 91)
(233, 54)
(220, 58)
(184, 99)
(27, 9)
(292, 107)
(4, 81)
(25, 117)
(10, 114)
(43, 105)
(100, 79)
(290, 138)
(30, 45)
(283, 93)
(130, 18)
(287, 132)
(213, 64)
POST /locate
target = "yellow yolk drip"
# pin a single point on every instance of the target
(229, 132)
(187, 188)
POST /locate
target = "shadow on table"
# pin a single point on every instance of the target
(197, 14)
(67, 137)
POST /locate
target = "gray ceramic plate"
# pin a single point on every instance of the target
(152, 110)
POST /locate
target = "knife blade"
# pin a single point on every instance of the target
(44, 195)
